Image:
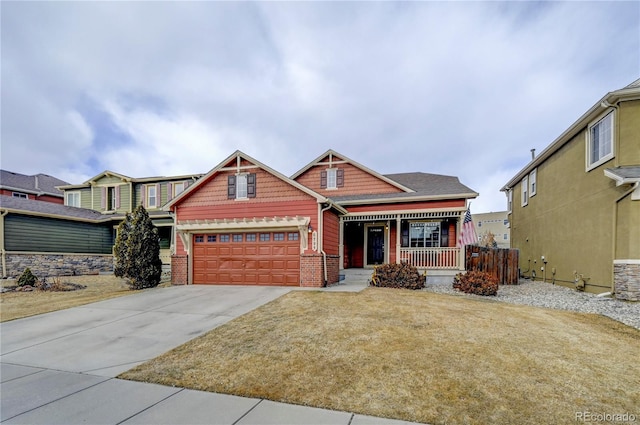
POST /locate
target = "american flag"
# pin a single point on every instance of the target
(468, 231)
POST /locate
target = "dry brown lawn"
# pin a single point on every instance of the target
(15, 305)
(415, 356)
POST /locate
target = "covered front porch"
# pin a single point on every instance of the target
(426, 240)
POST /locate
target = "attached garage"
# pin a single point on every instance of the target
(247, 258)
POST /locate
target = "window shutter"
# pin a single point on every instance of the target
(339, 177)
(117, 194)
(231, 188)
(169, 191)
(323, 179)
(158, 195)
(143, 193)
(251, 185)
(103, 200)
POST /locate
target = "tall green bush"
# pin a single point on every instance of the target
(137, 251)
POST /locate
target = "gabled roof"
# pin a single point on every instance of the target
(611, 99)
(108, 173)
(49, 209)
(239, 156)
(38, 184)
(424, 186)
(330, 153)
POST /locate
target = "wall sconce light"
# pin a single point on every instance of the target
(310, 229)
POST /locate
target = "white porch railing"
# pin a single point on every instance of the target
(432, 258)
(165, 256)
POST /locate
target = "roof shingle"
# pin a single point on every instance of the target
(38, 183)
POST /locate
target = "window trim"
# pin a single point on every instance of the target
(148, 196)
(174, 187)
(510, 200)
(338, 182)
(75, 192)
(524, 191)
(533, 182)
(590, 164)
(234, 187)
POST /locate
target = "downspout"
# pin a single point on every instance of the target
(4, 259)
(320, 243)
(615, 230)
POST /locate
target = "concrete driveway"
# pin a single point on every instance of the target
(60, 367)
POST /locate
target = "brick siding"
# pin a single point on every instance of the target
(312, 270)
(179, 270)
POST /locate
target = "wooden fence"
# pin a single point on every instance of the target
(498, 262)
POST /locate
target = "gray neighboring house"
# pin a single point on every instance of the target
(53, 239)
(38, 187)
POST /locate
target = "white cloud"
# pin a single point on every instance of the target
(454, 88)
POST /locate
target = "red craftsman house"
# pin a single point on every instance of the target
(245, 223)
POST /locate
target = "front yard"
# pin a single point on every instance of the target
(415, 356)
(15, 305)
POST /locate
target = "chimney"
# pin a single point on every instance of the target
(533, 154)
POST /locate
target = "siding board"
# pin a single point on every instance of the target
(40, 234)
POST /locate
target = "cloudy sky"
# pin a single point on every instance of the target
(146, 89)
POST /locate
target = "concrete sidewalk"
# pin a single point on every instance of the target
(60, 367)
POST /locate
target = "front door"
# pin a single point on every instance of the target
(375, 245)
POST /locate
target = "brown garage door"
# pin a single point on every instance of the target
(261, 258)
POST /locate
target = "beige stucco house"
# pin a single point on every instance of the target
(574, 210)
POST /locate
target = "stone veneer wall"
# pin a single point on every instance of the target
(51, 264)
(626, 279)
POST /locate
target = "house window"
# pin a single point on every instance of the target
(264, 237)
(533, 182)
(251, 237)
(331, 178)
(211, 238)
(600, 141)
(20, 195)
(241, 186)
(424, 234)
(278, 236)
(178, 188)
(292, 236)
(112, 198)
(237, 238)
(224, 238)
(525, 191)
(152, 196)
(199, 238)
(72, 199)
(510, 200)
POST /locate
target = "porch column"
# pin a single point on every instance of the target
(341, 244)
(398, 239)
(461, 255)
